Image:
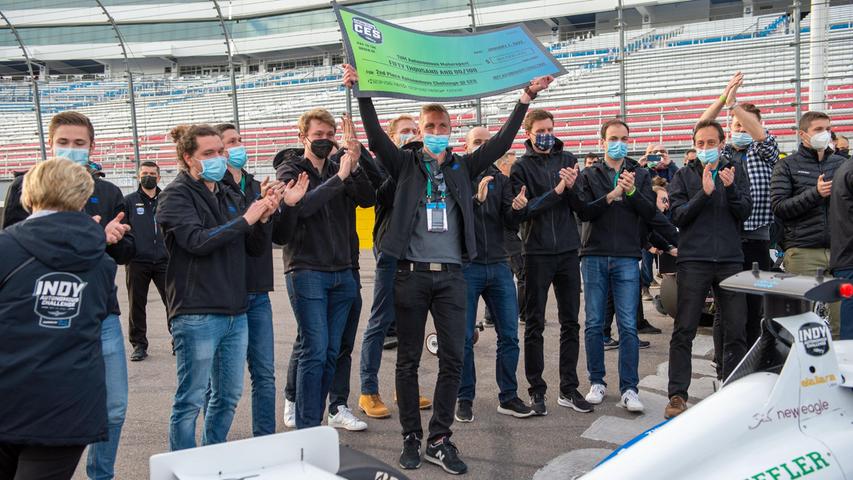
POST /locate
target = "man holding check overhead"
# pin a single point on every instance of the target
(431, 232)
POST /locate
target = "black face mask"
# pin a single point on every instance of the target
(148, 182)
(322, 148)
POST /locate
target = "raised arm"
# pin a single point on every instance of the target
(713, 111)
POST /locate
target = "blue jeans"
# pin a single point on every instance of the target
(321, 302)
(494, 283)
(101, 459)
(622, 275)
(646, 272)
(846, 308)
(210, 350)
(381, 317)
(261, 363)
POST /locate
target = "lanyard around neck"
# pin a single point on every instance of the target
(430, 180)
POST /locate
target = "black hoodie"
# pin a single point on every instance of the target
(493, 217)
(259, 271)
(325, 225)
(709, 226)
(57, 288)
(148, 238)
(550, 227)
(207, 239)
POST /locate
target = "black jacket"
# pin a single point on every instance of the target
(407, 169)
(709, 226)
(259, 270)
(325, 224)
(493, 217)
(615, 229)
(550, 227)
(51, 308)
(148, 238)
(841, 218)
(207, 239)
(794, 197)
(385, 192)
(106, 201)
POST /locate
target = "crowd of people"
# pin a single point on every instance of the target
(451, 228)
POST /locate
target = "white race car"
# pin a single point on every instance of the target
(785, 413)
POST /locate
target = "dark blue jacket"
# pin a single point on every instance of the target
(493, 217)
(55, 287)
(148, 238)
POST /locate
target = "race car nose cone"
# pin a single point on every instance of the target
(846, 290)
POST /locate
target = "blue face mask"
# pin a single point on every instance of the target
(237, 156)
(741, 139)
(213, 169)
(405, 137)
(710, 155)
(76, 155)
(545, 141)
(436, 143)
(617, 150)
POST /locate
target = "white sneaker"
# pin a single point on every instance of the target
(631, 401)
(596, 394)
(346, 420)
(289, 414)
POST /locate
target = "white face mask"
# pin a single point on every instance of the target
(820, 141)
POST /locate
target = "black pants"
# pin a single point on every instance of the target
(516, 264)
(25, 462)
(443, 294)
(139, 277)
(694, 281)
(563, 271)
(339, 392)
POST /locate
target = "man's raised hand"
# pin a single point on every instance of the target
(351, 141)
(295, 190)
(350, 75)
(570, 176)
(707, 180)
(483, 188)
(520, 200)
(824, 187)
(727, 176)
(115, 230)
(540, 83)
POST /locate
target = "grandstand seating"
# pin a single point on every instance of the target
(672, 75)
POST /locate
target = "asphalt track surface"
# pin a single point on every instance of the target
(562, 444)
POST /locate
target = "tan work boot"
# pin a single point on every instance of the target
(372, 406)
(424, 403)
(675, 407)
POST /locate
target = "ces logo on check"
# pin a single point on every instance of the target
(366, 30)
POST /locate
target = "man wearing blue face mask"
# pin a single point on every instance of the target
(710, 200)
(259, 282)
(800, 196)
(755, 148)
(431, 233)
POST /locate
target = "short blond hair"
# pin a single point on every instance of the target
(433, 108)
(392, 125)
(57, 184)
(319, 114)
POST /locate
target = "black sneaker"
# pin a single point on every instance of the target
(649, 329)
(138, 354)
(515, 408)
(575, 401)
(537, 403)
(643, 344)
(410, 457)
(611, 344)
(488, 322)
(390, 343)
(445, 454)
(464, 411)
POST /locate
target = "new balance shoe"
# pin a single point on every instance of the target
(464, 411)
(346, 420)
(631, 401)
(289, 414)
(410, 457)
(537, 403)
(596, 394)
(575, 401)
(445, 454)
(515, 408)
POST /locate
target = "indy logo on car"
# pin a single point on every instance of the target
(366, 30)
(815, 338)
(58, 296)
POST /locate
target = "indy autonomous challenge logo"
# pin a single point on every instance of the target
(814, 338)
(366, 30)
(58, 297)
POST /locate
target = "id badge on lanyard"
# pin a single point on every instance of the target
(436, 211)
